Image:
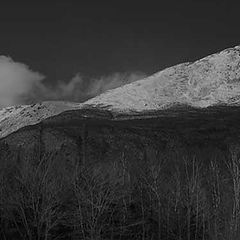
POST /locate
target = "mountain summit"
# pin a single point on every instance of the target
(209, 82)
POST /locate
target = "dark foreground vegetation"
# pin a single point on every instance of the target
(181, 195)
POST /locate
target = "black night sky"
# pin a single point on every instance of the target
(60, 38)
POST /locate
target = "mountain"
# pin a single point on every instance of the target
(209, 82)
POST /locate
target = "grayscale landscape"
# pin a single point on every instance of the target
(158, 158)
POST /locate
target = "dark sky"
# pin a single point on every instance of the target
(60, 38)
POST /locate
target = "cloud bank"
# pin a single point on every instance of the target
(16, 80)
(21, 85)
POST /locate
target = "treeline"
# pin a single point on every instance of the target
(178, 195)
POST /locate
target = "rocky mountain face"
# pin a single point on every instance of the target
(189, 111)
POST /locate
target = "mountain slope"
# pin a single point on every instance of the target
(209, 82)
(14, 118)
(206, 82)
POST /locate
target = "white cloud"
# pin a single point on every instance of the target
(16, 79)
(19, 85)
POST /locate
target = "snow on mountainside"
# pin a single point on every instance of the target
(16, 117)
(211, 81)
